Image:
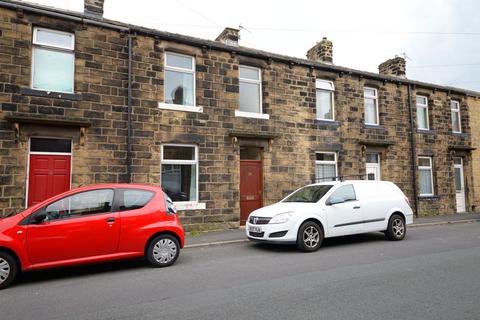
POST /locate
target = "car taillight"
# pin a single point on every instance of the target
(407, 201)
(169, 206)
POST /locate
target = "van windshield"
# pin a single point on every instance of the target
(309, 193)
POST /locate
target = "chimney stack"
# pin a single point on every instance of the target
(229, 36)
(393, 67)
(93, 8)
(321, 52)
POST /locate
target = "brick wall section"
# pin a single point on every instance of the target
(288, 97)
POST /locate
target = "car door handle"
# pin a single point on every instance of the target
(110, 220)
(356, 207)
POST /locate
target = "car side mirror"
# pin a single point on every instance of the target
(38, 217)
(334, 200)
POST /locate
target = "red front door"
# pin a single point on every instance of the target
(49, 175)
(251, 187)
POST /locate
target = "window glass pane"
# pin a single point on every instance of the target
(57, 39)
(179, 181)
(249, 73)
(347, 193)
(372, 158)
(250, 97)
(324, 105)
(179, 88)
(53, 70)
(458, 179)
(50, 145)
(454, 105)
(178, 153)
(370, 111)
(369, 92)
(250, 153)
(456, 121)
(309, 193)
(85, 203)
(324, 156)
(457, 160)
(421, 100)
(135, 199)
(424, 162)
(425, 177)
(178, 61)
(324, 84)
(422, 118)
(325, 172)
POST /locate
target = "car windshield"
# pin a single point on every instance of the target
(309, 193)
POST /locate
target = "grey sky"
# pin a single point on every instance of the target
(441, 37)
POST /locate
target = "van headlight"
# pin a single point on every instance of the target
(281, 217)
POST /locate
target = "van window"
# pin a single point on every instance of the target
(309, 193)
(347, 193)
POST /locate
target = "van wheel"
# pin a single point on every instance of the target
(396, 229)
(163, 251)
(309, 237)
(8, 269)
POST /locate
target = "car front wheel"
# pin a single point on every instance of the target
(8, 269)
(396, 228)
(310, 237)
(163, 251)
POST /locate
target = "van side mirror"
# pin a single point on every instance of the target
(38, 217)
(334, 200)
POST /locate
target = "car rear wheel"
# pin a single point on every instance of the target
(310, 237)
(163, 251)
(396, 228)
(8, 269)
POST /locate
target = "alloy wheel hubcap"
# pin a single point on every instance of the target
(4, 270)
(164, 251)
(311, 236)
(398, 227)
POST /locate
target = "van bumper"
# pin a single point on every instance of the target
(285, 233)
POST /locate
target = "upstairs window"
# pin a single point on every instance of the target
(324, 95)
(53, 60)
(325, 166)
(179, 79)
(250, 89)
(422, 113)
(371, 106)
(456, 122)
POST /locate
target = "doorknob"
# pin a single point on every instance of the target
(110, 220)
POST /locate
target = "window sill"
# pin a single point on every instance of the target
(430, 197)
(183, 206)
(323, 122)
(373, 126)
(252, 115)
(179, 107)
(50, 94)
(459, 134)
(425, 131)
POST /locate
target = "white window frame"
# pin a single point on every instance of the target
(422, 106)
(430, 168)
(184, 205)
(246, 114)
(38, 44)
(326, 86)
(455, 109)
(326, 162)
(180, 107)
(375, 99)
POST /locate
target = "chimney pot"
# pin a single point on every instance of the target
(229, 36)
(393, 67)
(322, 51)
(93, 8)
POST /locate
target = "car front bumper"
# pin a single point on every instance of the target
(276, 233)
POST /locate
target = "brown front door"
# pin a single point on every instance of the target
(251, 186)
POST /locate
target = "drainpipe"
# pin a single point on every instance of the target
(129, 111)
(413, 146)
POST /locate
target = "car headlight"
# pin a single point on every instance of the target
(281, 217)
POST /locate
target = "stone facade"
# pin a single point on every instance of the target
(95, 118)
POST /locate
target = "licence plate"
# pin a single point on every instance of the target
(255, 229)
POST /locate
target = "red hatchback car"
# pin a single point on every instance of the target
(91, 224)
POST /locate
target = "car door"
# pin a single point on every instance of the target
(345, 216)
(77, 226)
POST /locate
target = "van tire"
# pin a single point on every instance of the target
(309, 237)
(396, 229)
(7, 264)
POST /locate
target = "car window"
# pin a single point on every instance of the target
(84, 203)
(309, 193)
(347, 193)
(135, 199)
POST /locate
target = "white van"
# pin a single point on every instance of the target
(331, 209)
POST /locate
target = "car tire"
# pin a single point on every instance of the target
(163, 251)
(8, 269)
(309, 237)
(396, 229)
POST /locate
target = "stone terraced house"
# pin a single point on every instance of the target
(223, 128)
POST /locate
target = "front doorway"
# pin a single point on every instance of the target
(459, 184)
(373, 166)
(49, 168)
(251, 181)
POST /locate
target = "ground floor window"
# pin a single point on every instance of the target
(425, 176)
(180, 172)
(325, 166)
